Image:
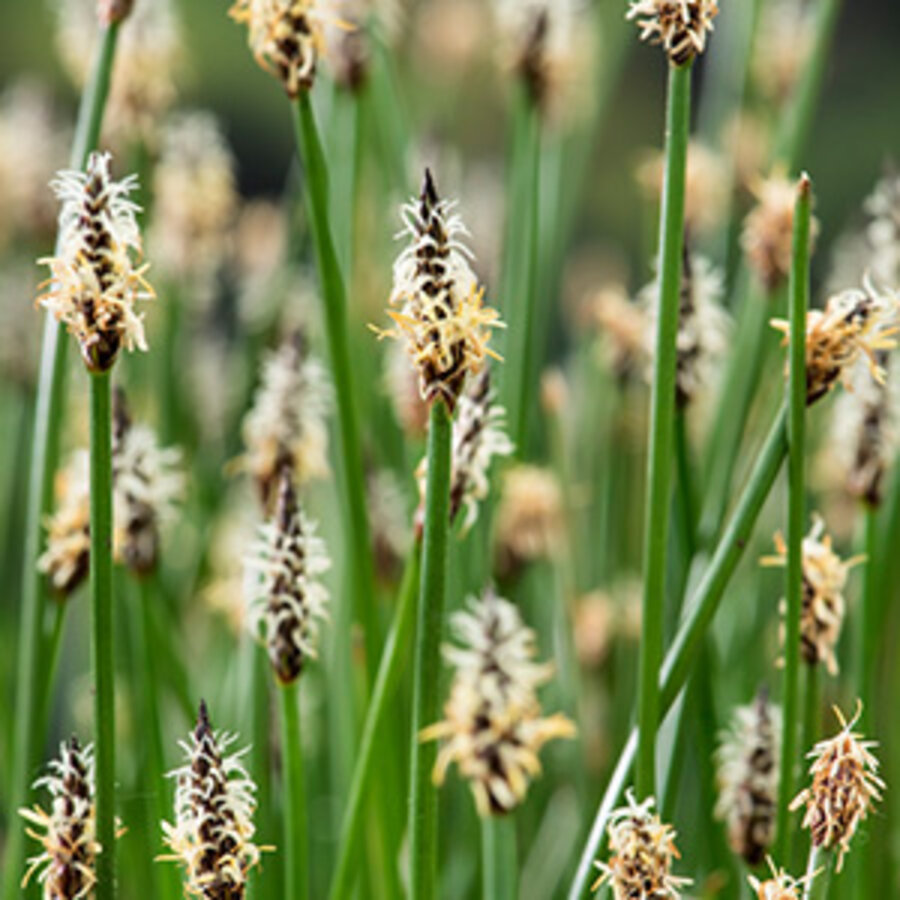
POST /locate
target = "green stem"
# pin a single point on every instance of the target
(799, 302)
(819, 861)
(659, 476)
(429, 624)
(686, 645)
(393, 658)
(102, 633)
(499, 867)
(296, 848)
(44, 458)
(812, 708)
(335, 309)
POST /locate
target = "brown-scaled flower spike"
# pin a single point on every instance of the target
(441, 314)
(146, 485)
(642, 851)
(845, 786)
(478, 436)
(286, 427)
(285, 37)
(748, 778)
(95, 281)
(781, 886)
(823, 605)
(856, 322)
(286, 597)
(67, 558)
(214, 804)
(680, 26)
(493, 728)
(67, 863)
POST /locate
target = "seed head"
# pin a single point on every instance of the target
(643, 850)
(287, 597)
(214, 804)
(67, 558)
(493, 728)
(95, 281)
(66, 833)
(286, 427)
(110, 11)
(748, 778)
(623, 328)
(147, 483)
(478, 436)
(441, 317)
(285, 37)
(855, 322)
(680, 26)
(845, 786)
(784, 40)
(823, 605)
(768, 230)
(781, 886)
(882, 207)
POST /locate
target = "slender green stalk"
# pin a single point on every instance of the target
(296, 840)
(659, 476)
(102, 631)
(335, 308)
(812, 708)
(871, 623)
(499, 866)
(31, 677)
(393, 658)
(816, 888)
(796, 513)
(429, 623)
(699, 615)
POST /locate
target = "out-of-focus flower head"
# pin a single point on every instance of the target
(855, 323)
(781, 48)
(681, 27)
(95, 280)
(748, 778)
(441, 316)
(622, 326)
(845, 786)
(493, 728)
(390, 522)
(882, 207)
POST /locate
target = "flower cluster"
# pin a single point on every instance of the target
(823, 606)
(857, 322)
(784, 41)
(287, 598)
(67, 863)
(146, 484)
(768, 230)
(478, 436)
(286, 427)
(883, 230)
(643, 850)
(493, 728)
(622, 326)
(67, 558)
(748, 778)
(680, 26)
(781, 886)
(94, 281)
(442, 317)
(213, 829)
(285, 37)
(845, 785)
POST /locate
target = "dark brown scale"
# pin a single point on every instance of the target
(532, 64)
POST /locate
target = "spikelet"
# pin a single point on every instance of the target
(623, 327)
(285, 37)
(214, 804)
(493, 728)
(845, 786)
(286, 427)
(681, 27)
(110, 11)
(389, 522)
(67, 863)
(782, 46)
(478, 436)
(855, 323)
(747, 775)
(95, 282)
(287, 597)
(643, 850)
(146, 485)
(823, 605)
(768, 230)
(442, 318)
(781, 886)
(67, 558)
(882, 207)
